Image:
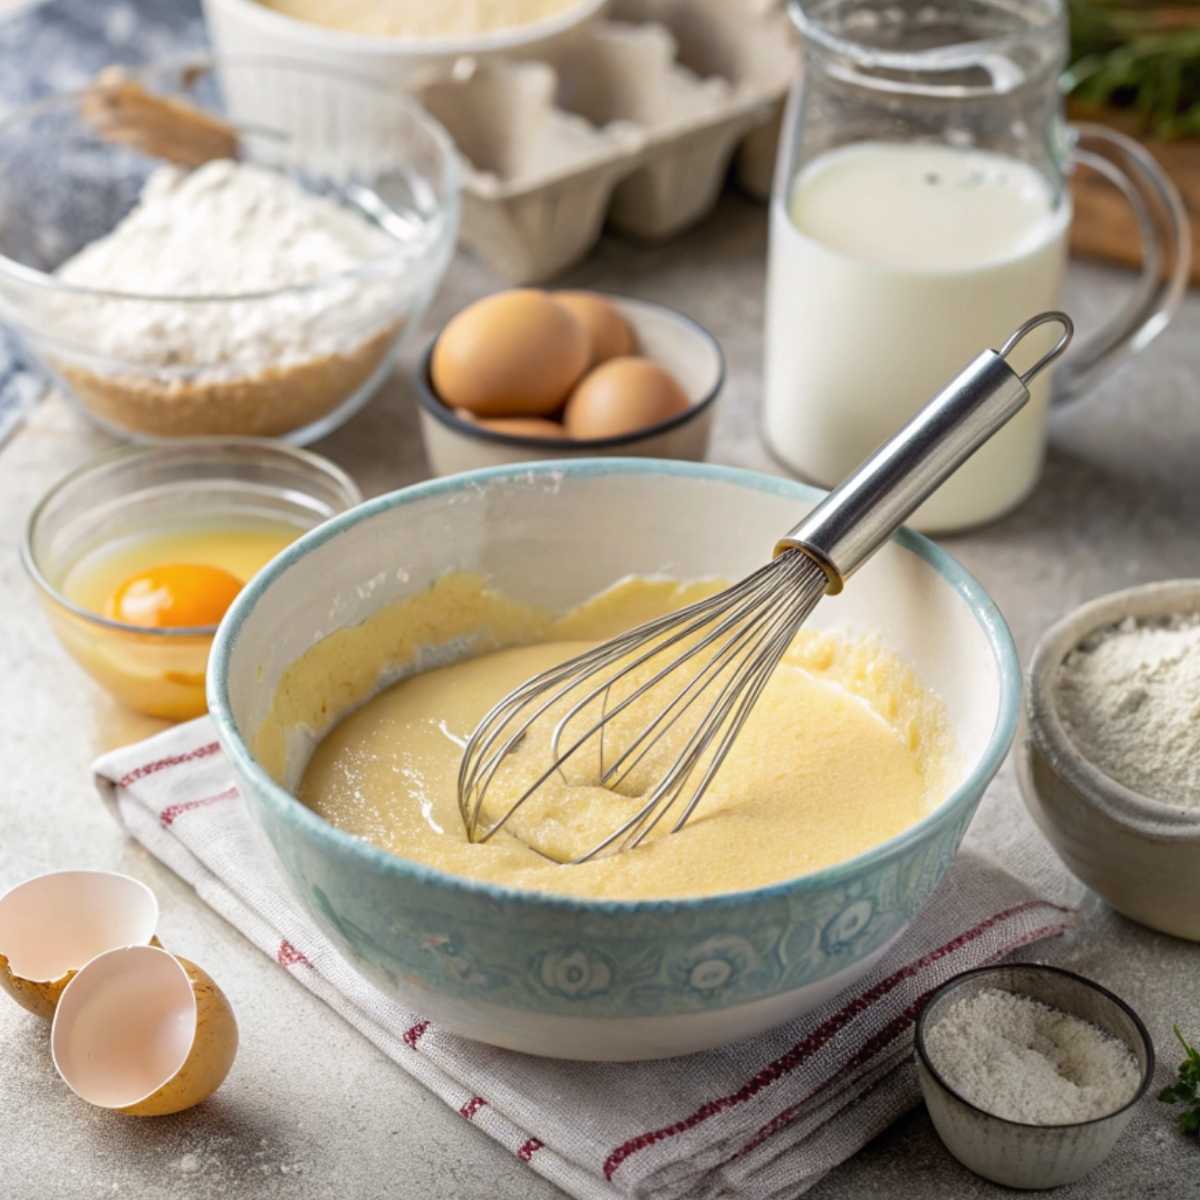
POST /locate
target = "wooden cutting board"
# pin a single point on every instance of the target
(1104, 226)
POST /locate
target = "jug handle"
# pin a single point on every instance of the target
(1165, 235)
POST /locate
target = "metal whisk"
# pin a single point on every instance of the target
(701, 669)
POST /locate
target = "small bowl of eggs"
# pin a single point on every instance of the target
(528, 374)
(137, 555)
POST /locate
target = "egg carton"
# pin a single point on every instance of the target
(635, 119)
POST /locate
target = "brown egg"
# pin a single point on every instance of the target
(514, 354)
(608, 331)
(537, 427)
(621, 396)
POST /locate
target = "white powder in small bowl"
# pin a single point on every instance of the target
(1129, 696)
(1020, 1059)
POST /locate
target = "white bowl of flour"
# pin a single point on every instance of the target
(1110, 766)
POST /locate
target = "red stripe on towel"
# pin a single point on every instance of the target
(168, 814)
(412, 1035)
(527, 1149)
(778, 1123)
(802, 1050)
(288, 956)
(161, 764)
(887, 1034)
(471, 1107)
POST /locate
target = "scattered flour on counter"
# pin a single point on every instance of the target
(224, 229)
(1023, 1060)
(1130, 698)
(216, 1158)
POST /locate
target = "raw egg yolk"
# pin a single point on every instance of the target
(177, 595)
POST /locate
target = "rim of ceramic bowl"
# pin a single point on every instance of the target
(325, 37)
(955, 981)
(444, 220)
(437, 408)
(1157, 818)
(286, 806)
(307, 458)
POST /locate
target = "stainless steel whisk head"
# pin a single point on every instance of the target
(697, 672)
(734, 640)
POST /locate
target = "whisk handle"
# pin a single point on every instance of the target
(859, 515)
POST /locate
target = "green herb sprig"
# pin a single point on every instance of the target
(1186, 1089)
(1142, 57)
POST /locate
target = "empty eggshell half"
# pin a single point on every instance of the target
(143, 1032)
(51, 925)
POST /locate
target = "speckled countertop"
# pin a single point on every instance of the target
(313, 1111)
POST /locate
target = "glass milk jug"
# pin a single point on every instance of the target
(920, 212)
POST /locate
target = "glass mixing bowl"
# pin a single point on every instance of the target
(139, 364)
(134, 491)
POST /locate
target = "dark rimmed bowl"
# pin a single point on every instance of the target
(674, 341)
(1012, 1153)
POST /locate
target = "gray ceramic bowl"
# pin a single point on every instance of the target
(1141, 855)
(674, 341)
(1009, 1152)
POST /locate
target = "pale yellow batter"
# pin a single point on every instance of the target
(844, 750)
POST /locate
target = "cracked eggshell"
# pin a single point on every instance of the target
(53, 925)
(142, 1032)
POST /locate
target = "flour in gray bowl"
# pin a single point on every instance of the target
(1129, 696)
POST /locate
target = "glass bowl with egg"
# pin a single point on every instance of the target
(527, 374)
(137, 555)
(178, 269)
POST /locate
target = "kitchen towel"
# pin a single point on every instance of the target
(763, 1118)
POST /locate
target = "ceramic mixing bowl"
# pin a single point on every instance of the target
(245, 26)
(593, 979)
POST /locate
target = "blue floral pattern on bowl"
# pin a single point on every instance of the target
(669, 958)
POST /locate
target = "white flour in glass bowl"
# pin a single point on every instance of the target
(222, 230)
(248, 306)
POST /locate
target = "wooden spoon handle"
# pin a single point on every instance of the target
(120, 110)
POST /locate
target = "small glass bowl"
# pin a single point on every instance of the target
(160, 672)
(290, 362)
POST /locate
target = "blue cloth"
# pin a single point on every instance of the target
(57, 46)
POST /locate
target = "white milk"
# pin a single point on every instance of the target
(897, 264)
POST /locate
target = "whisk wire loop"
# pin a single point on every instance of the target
(738, 635)
(726, 719)
(732, 619)
(477, 770)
